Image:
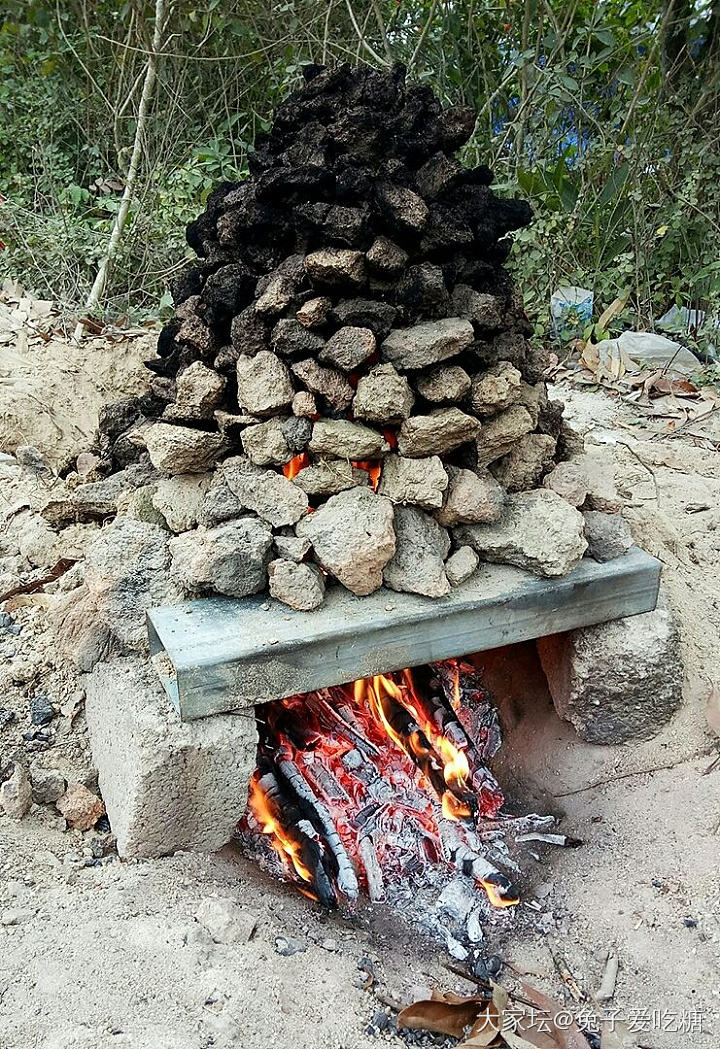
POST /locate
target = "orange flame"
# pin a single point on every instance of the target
(373, 468)
(495, 896)
(296, 464)
(287, 849)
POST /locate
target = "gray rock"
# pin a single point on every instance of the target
(249, 333)
(126, 572)
(599, 470)
(418, 566)
(336, 267)
(617, 681)
(232, 424)
(264, 386)
(353, 537)
(525, 463)
(314, 313)
(383, 396)
(426, 344)
(569, 481)
(297, 431)
(41, 710)
(608, 535)
(537, 530)
(329, 476)
(292, 547)
(15, 793)
(496, 388)
(269, 494)
(498, 436)
(437, 175)
(179, 499)
(219, 503)
(138, 504)
(533, 398)
(471, 498)
(418, 482)
(342, 439)
(348, 348)
(304, 405)
(461, 565)
(180, 450)
(276, 295)
(327, 383)
(289, 338)
(47, 784)
(436, 433)
(200, 387)
(484, 310)
(401, 207)
(229, 559)
(266, 444)
(444, 383)
(386, 258)
(226, 921)
(300, 586)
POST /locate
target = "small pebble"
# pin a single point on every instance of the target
(6, 620)
(6, 717)
(41, 710)
(690, 923)
(494, 964)
(287, 947)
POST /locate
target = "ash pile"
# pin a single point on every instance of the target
(346, 391)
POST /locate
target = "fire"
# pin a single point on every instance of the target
(287, 849)
(373, 468)
(296, 464)
(495, 896)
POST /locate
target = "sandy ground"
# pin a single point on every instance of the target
(97, 954)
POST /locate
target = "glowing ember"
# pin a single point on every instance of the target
(296, 464)
(373, 468)
(376, 784)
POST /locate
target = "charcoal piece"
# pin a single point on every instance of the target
(229, 288)
(333, 223)
(188, 282)
(446, 232)
(297, 432)
(249, 332)
(422, 292)
(290, 184)
(437, 175)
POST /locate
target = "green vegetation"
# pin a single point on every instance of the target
(603, 114)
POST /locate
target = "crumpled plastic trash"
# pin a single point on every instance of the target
(571, 311)
(655, 351)
(683, 321)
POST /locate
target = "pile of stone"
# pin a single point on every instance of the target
(346, 390)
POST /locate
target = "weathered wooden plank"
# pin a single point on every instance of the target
(225, 654)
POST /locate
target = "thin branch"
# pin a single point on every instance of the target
(361, 37)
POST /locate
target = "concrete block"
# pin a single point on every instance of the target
(167, 785)
(616, 681)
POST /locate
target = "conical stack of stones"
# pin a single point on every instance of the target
(346, 390)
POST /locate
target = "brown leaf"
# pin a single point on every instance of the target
(444, 1013)
(676, 387)
(569, 1038)
(485, 1030)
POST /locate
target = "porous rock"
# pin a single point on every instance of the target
(444, 383)
(304, 405)
(266, 444)
(80, 807)
(179, 499)
(599, 470)
(342, 439)
(383, 396)
(329, 476)
(569, 480)
(314, 312)
(403, 209)
(226, 921)
(417, 482)
(472, 497)
(526, 462)
(16, 793)
(353, 537)
(348, 348)
(537, 530)
(264, 386)
(270, 495)
(229, 559)
(289, 338)
(336, 267)
(301, 586)
(616, 681)
(495, 389)
(436, 433)
(428, 343)
(386, 257)
(461, 565)
(499, 434)
(483, 309)
(48, 784)
(418, 565)
(608, 535)
(200, 387)
(180, 450)
(292, 547)
(328, 383)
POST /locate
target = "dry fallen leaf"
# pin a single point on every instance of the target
(444, 1013)
(569, 1038)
